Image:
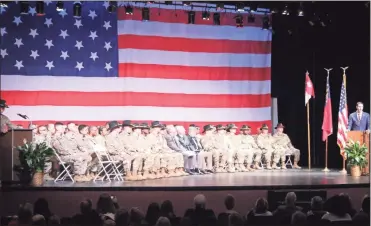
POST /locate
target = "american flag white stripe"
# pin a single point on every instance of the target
(342, 118)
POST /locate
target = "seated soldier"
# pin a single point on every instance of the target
(68, 149)
(264, 142)
(284, 147)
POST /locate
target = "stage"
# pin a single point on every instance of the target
(246, 187)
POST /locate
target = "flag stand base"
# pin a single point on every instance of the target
(344, 171)
(326, 170)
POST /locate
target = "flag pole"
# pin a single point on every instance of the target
(326, 156)
(326, 150)
(309, 160)
(344, 171)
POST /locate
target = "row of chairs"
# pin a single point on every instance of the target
(110, 169)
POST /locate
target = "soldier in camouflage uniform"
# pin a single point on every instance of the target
(127, 128)
(5, 123)
(208, 143)
(264, 142)
(115, 147)
(148, 165)
(98, 139)
(250, 149)
(224, 145)
(160, 159)
(284, 147)
(237, 154)
(67, 146)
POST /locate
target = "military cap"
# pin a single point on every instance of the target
(280, 125)
(220, 127)
(193, 125)
(156, 124)
(245, 127)
(163, 126)
(3, 103)
(144, 125)
(207, 128)
(264, 126)
(113, 125)
(127, 123)
(231, 126)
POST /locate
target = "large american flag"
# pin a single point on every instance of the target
(342, 118)
(113, 66)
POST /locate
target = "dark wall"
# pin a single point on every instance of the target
(345, 42)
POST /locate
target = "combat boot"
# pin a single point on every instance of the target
(269, 165)
(296, 166)
(145, 175)
(231, 169)
(274, 166)
(283, 164)
(256, 166)
(134, 176)
(128, 176)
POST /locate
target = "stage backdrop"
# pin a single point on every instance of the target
(112, 66)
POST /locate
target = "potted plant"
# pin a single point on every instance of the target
(32, 159)
(356, 157)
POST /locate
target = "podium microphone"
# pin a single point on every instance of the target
(22, 116)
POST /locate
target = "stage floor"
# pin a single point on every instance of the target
(265, 179)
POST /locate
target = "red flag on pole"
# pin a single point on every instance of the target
(327, 114)
(309, 89)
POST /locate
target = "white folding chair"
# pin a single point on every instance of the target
(109, 167)
(66, 170)
(288, 161)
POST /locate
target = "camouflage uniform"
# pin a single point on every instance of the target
(237, 155)
(226, 151)
(151, 161)
(5, 123)
(159, 159)
(249, 148)
(264, 142)
(68, 149)
(115, 149)
(174, 160)
(284, 147)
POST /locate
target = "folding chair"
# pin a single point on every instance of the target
(288, 161)
(109, 166)
(66, 170)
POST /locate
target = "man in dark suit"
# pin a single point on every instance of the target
(359, 120)
(178, 143)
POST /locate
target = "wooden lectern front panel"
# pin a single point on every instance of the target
(9, 155)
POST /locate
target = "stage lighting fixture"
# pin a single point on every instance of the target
(325, 20)
(191, 17)
(24, 7)
(240, 7)
(286, 11)
(216, 18)
(4, 4)
(301, 10)
(112, 6)
(253, 7)
(250, 18)
(266, 24)
(239, 21)
(128, 10)
(60, 6)
(40, 8)
(77, 10)
(219, 6)
(205, 15)
(145, 14)
(186, 3)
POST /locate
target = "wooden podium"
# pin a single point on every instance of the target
(9, 155)
(363, 138)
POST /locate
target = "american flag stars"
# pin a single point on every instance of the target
(59, 44)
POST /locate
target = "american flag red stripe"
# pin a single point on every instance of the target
(342, 118)
(167, 70)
